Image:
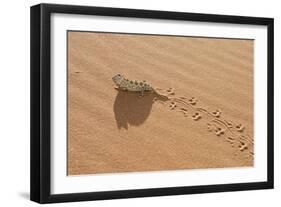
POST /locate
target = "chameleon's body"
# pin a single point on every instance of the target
(131, 85)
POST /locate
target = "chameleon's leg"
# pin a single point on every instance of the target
(141, 93)
(120, 88)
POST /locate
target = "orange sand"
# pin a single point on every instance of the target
(111, 131)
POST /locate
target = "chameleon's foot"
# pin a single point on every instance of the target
(141, 93)
(120, 89)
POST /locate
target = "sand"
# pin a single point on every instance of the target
(111, 131)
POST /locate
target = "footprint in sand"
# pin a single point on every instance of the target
(240, 128)
(184, 111)
(217, 113)
(192, 101)
(231, 141)
(173, 105)
(219, 131)
(243, 146)
(209, 127)
(196, 116)
(171, 91)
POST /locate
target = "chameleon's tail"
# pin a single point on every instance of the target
(161, 96)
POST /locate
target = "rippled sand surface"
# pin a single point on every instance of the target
(207, 122)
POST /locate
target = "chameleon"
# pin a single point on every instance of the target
(125, 84)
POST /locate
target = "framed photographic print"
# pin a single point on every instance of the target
(133, 103)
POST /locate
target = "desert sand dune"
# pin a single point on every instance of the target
(207, 122)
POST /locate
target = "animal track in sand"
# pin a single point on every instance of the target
(219, 131)
(231, 141)
(173, 105)
(216, 113)
(233, 133)
(243, 146)
(184, 111)
(196, 116)
(240, 127)
(170, 91)
(192, 101)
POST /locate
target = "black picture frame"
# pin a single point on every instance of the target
(40, 184)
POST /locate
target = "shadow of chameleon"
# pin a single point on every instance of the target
(132, 109)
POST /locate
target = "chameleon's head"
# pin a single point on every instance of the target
(117, 79)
